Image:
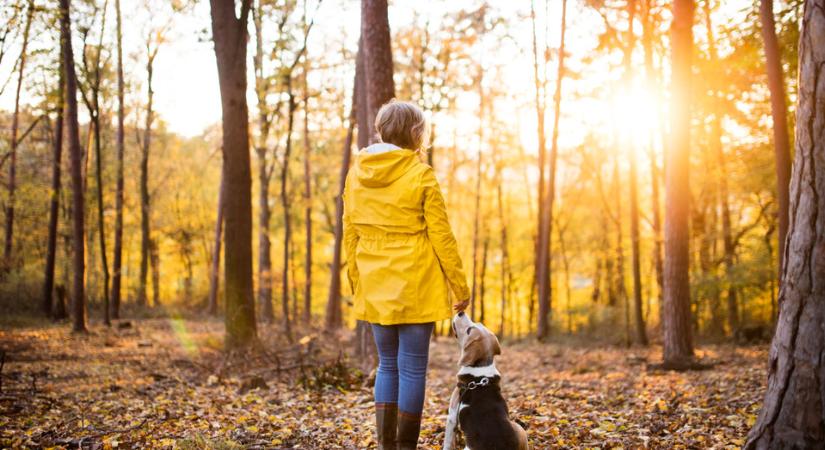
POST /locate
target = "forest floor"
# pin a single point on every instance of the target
(165, 383)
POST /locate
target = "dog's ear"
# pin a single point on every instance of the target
(473, 348)
(495, 345)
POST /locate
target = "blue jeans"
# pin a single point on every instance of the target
(403, 352)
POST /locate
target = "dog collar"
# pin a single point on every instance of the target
(478, 372)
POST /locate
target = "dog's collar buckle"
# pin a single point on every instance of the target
(475, 384)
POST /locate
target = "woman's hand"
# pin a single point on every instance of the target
(461, 306)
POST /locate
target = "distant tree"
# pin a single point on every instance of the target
(230, 37)
(91, 98)
(119, 189)
(333, 315)
(779, 113)
(676, 322)
(15, 120)
(792, 415)
(54, 198)
(545, 234)
(215, 264)
(73, 135)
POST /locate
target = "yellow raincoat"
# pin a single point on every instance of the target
(400, 249)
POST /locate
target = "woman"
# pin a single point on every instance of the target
(401, 257)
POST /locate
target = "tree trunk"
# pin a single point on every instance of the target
(54, 201)
(333, 315)
(118, 250)
(545, 289)
(506, 275)
(378, 67)
(145, 231)
(650, 79)
(230, 36)
(482, 276)
(641, 332)
(379, 89)
(638, 316)
(793, 413)
(154, 259)
(721, 163)
(286, 207)
(215, 266)
(477, 211)
(307, 203)
(264, 176)
(12, 181)
(73, 135)
(540, 85)
(677, 339)
(95, 117)
(779, 112)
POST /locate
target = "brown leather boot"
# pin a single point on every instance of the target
(409, 425)
(386, 420)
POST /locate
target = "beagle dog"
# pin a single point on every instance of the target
(477, 405)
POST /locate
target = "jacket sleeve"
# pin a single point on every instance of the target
(441, 236)
(350, 244)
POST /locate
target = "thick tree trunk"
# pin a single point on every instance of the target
(78, 208)
(118, 249)
(145, 230)
(378, 67)
(545, 289)
(230, 36)
(154, 259)
(54, 201)
(678, 339)
(379, 89)
(334, 315)
(793, 414)
(215, 265)
(15, 119)
(779, 113)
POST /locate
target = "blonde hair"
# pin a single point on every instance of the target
(402, 124)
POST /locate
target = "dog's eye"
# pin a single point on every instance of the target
(468, 329)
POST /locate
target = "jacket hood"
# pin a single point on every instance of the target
(381, 164)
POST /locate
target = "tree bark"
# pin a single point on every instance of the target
(540, 85)
(119, 194)
(379, 88)
(230, 36)
(378, 66)
(477, 212)
(15, 118)
(677, 339)
(545, 289)
(78, 207)
(54, 201)
(793, 413)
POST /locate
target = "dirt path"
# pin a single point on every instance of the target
(165, 384)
